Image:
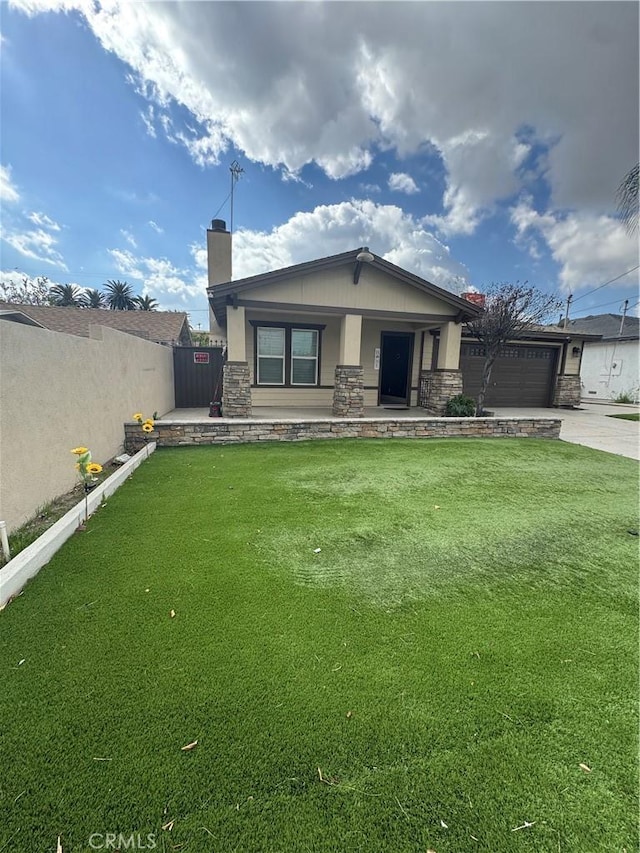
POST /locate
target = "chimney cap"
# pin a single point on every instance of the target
(218, 225)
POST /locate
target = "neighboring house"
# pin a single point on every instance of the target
(162, 327)
(353, 330)
(610, 366)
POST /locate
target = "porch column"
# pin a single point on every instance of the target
(348, 389)
(236, 385)
(437, 387)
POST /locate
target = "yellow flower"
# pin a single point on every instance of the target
(149, 421)
(147, 427)
(137, 417)
(79, 450)
(94, 468)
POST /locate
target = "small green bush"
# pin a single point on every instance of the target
(624, 397)
(460, 406)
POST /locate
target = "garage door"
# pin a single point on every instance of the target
(521, 376)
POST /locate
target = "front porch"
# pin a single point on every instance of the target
(295, 413)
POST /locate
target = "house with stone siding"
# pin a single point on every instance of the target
(352, 331)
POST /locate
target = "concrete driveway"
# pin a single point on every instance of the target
(589, 425)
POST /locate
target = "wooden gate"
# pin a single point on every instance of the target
(197, 376)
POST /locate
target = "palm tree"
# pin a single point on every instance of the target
(627, 197)
(66, 296)
(146, 303)
(94, 298)
(120, 296)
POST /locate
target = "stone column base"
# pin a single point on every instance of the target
(348, 391)
(437, 387)
(568, 391)
(236, 390)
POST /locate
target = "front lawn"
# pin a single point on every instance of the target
(377, 645)
(631, 416)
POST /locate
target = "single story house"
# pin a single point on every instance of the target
(353, 330)
(610, 364)
(161, 327)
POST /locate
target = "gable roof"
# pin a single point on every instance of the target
(221, 295)
(607, 325)
(163, 327)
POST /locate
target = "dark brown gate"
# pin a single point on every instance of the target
(197, 376)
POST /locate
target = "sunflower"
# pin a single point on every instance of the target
(149, 421)
(94, 468)
(147, 427)
(79, 451)
(138, 417)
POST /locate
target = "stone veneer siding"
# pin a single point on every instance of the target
(348, 391)
(568, 391)
(223, 431)
(236, 390)
(437, 387)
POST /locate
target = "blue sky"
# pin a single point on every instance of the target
(470, 143)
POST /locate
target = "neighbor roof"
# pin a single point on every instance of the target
(165, 327)
(607, 325)
(221, 295)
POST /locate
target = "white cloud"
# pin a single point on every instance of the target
(402, 183)
(590, 249)
(155, 227)
(289, 84)
(37, 244)
(171, 286)
(8, 190)
(43, 221)
(128, 236)
(331, 229)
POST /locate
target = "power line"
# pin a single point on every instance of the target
(600, 286)
(603, 305)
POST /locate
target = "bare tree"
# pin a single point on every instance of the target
(510, 311)
(30, 291)
(627, 198)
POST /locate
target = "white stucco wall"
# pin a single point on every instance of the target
(610, 368)
(60, 391)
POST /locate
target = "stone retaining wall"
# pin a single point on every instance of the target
(222, 431)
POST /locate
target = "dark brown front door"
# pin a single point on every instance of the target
(396, 353)
(522, 376)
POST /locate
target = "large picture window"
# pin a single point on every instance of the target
(287, 355)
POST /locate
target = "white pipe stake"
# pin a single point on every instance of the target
(5, 541)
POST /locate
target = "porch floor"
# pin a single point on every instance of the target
(291, 413)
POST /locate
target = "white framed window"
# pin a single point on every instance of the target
(270, 355)
(304, 356)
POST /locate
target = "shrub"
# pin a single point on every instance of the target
(624, 397)
(460, 406)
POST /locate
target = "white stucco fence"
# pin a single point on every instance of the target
(59, 391)
(28, 562)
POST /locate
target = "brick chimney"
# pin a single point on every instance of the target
(477, 298)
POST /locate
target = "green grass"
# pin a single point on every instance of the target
(464, 640)
(627, 417)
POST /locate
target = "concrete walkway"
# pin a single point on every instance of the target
(590, 425)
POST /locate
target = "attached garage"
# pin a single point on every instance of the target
(524, 375)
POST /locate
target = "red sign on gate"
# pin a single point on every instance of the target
(201, 357)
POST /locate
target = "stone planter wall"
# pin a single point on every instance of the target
(223, 431)
(348, 393)
(437, 387)
(236, 390)
(568, 391)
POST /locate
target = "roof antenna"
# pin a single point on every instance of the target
(236, 171)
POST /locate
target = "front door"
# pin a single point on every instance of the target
(395, 368)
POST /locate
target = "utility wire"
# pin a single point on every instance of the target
(622, 275)
(604, 305)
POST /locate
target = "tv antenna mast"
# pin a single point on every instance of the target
(236, 170)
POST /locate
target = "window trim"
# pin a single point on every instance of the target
(288, 358)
